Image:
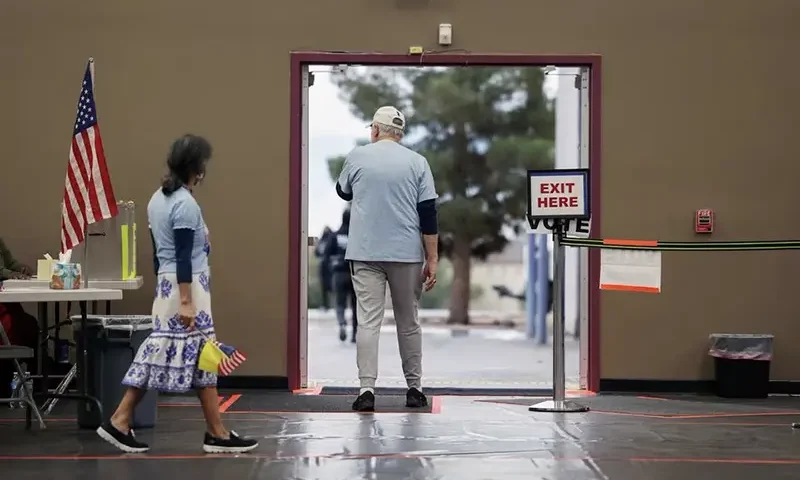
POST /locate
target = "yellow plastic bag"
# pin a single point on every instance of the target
(210, 357)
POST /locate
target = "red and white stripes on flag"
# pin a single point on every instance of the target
(88, 194)
(230, 361)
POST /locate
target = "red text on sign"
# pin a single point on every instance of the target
(550, 188)
(557, 202)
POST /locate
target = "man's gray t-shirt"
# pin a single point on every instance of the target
(387, 181)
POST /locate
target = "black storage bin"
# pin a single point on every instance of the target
(113, 341)
(741, 365)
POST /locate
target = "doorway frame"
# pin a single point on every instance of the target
(299, 63)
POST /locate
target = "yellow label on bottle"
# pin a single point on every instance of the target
(124, 235)
(133, 253)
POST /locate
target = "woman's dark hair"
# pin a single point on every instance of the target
(187, 157)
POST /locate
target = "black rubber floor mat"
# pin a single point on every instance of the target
(674, 405)
(287, 402)
(465, 391)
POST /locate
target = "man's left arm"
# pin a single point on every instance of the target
(428, 225)
(428, 217)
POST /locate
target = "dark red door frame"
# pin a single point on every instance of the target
(300, 59)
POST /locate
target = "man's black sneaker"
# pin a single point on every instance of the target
(416, 399)
(365, 402)
(125, 442)
(233, 444)
(342, 333)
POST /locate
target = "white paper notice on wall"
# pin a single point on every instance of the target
(630, 270)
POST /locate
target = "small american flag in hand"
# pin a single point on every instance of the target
(233, 358)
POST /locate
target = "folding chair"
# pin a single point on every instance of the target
(15, 353)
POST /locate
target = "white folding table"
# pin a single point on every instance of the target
(42, 296)
(134, 283)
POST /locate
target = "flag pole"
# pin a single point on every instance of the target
(85, 262)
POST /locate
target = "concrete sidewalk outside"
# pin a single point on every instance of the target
(452, 357)
(478, 318)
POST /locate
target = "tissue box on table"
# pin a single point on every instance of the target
(66, 276)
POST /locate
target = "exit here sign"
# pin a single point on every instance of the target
(558, 194)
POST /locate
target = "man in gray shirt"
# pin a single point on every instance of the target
(393, 230)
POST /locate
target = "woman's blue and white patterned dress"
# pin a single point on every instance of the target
(167, 360)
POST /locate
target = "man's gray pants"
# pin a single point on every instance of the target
(405, 285)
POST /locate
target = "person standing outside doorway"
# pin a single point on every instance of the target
(325, 273)
(393, 230)
(342, 282)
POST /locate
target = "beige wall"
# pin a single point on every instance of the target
(699, 111)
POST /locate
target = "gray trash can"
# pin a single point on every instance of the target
(741, 364)
(113, 341)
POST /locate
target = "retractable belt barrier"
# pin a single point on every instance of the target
(653, 245)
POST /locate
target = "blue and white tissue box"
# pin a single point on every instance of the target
(66, 276)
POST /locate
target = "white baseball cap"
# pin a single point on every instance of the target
(390, 116)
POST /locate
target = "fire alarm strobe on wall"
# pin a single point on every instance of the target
(704, 221)
(445, 34)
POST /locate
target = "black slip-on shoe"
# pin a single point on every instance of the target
(416, 399)
(365, 402)
(125, 442)
(233, 444)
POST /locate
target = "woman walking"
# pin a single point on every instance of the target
(182, 321)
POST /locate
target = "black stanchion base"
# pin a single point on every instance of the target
(558, 406)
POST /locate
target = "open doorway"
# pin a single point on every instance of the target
(328, 121)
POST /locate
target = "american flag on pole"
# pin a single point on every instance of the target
(88, 195)
(232, 358)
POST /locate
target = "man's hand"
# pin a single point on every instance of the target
(429, 272)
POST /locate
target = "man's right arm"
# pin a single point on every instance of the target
(346, 196)
(343, 186)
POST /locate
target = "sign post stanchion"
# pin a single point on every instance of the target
(558, 195)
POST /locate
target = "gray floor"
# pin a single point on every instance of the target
(478, 358)
(466, 440)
